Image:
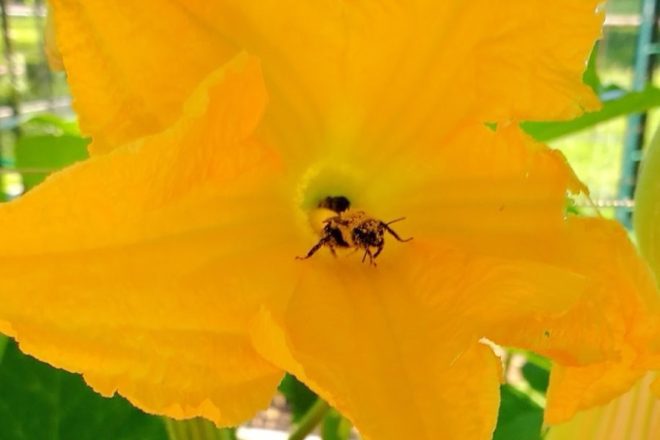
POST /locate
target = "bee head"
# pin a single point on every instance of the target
(337, 204)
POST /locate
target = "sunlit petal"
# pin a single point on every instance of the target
(577, 388)
(511, 206)
(130, 267)
(132, 65)
(343, 69)
(400, 338)
(634, 415)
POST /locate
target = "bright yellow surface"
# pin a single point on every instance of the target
(633, 416)
(354, 67)
(647, 208)
(636, 414)
(152, 213)
(132, 64)
(165, 268)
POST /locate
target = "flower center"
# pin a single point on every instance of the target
(327, 188)
(335, 201)
(329, 183)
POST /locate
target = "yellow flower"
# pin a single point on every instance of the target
(632, 416)
(647, 209)
(636, 414)
(163, 267)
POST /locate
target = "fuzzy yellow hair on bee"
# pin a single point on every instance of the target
(353, 229)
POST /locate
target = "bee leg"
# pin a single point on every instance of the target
(379, 250)
(332, 249)
(322, 242)
(367, 251)
(394, 234)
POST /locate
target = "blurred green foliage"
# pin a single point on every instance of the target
(335, 426)
(626, 103)
(35, 80)
(519, 417)
(536, 376)
(298, 396)
(622, 6)
(47, 143)
(39, 402)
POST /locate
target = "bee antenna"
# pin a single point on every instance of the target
(395, 220)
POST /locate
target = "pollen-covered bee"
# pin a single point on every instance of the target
(353, 229)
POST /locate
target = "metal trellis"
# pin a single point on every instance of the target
(647, 49)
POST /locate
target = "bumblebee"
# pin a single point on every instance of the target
(353, 229)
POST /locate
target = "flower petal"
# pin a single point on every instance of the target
(577, 388)
(342, 70)
(495, 192)
(534, 57)
(617, 313)
(500, 195)
(634, 415)
(655, 386)
(630, 306)
(395, 348)
(131, 65)
(351, 66)
(609, 339)
(131, 267)
(647, 206)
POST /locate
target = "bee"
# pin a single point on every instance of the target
(353, 229)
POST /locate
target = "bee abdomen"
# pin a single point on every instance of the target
(367, 233)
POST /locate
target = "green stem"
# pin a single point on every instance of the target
(197, 429)
(310, 420)
(336, 426)
(227, 434)
(3, 344)
(171, 428)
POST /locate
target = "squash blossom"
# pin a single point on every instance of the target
(164, 267)
(636, 414)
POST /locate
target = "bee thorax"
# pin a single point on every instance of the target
(355, 229)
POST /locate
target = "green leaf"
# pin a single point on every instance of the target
(4, 340)
(298, 396)
(335, 426)
(537, 377)
(590, 76)
(197, 429)
(519, 418)
(632, 102)
(39, 402)
(48, 123)
(532, 357)
(40, 154)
